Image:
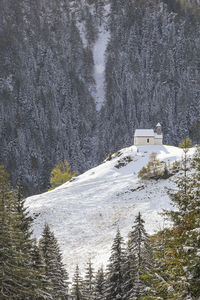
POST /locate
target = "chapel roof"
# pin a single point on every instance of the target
(147, 133)
(144, 132)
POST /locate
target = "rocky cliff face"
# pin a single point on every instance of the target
(48, 51)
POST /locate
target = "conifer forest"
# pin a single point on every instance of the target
(165, 265)
(77, 77)
(86, 213)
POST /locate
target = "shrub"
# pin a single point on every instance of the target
(155, 169)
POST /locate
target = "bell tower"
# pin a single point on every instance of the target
(158, 129)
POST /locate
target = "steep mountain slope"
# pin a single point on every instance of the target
(85, 213)
(152, 71)
(78, 76)
(46, 108)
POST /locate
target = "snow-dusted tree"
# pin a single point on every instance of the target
(191, 227)
(88, 283)
(129, 272)
(18, 278)
(39, 267)
(99, 285)
(24, 217)
(139, 247)
(77, 285)
(99, 10)
(114, 281)
(181, 197)
(178, 264)
(54, 268)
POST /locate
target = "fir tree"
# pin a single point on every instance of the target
(77, 285)
(18, 279)
(54, 268)
(22, 210)
(140, 248)
(129, 271)
(99, 285)
(88, 284)
(114, 282)
(178, 263)
(39, 267)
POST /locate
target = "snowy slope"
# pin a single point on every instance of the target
(99, 60)
(98, 51)
(84, 213)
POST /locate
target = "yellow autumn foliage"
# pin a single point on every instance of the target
(61, 174)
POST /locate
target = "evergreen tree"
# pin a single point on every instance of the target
(99, 285)
(22, 210)
(25, 221)
(18, 279)
(181, 198)
(158, 277)
(139, 247)
(88, 284)
(77, 285)
(39, 267)
(114, 281)
(54, 268)
(178, 265)
(191, 224)
(129, 271)
(99, 10)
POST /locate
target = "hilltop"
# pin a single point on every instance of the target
(85, 212)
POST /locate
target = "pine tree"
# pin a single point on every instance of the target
(192, 228)
(178, 265)
(181, 197)
(88, 283)
(99, 10)
(157, 278)
(54, 268)
(129, 271)
(114, 281)
(39, 266)
(140, 248)
(99, 285)
(18, 279)
(22, 210)
(77, 285)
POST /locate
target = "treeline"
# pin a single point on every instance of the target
(163, 266)
(27, 270)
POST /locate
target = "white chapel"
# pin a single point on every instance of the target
(148, 136)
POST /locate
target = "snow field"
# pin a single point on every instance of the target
(85, 213)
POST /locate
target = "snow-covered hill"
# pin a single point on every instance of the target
(85, 213)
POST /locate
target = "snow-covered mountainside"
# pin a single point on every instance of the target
(77, 77)
(85, 213)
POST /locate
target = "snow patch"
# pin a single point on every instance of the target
(99, 61)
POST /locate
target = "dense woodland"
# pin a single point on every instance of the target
(47, 102)
(163, 266)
